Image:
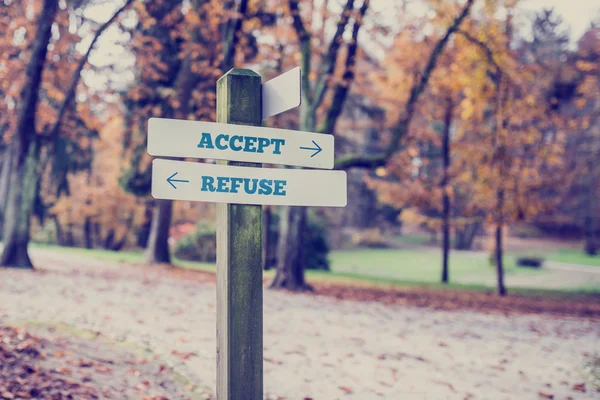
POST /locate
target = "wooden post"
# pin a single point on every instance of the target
(239, 266)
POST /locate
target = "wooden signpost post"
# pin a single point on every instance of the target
(239, 186)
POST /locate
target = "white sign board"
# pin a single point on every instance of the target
(282, 93)
(182, 138)
(179, 180)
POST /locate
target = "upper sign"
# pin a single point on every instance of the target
(282, 93)
(181, 138)
(179, 180)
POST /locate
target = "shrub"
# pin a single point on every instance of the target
(200, 245)
(315, 243)
(531, 262)
(372, 238)
(316, 246)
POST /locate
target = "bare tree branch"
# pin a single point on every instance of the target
(232, 30)
(488, 53)
(304, 39)
(341, 89)
(70, 93)
(417, 89)
(329, 61)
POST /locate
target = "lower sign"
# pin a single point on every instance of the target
(178, 180)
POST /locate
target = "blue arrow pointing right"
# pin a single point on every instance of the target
(317, 149)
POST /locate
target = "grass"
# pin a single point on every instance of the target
(378, 267)
(573, 256)
(418, 265)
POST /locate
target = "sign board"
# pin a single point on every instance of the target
(282, 93)
(198, 139)
(179, 180)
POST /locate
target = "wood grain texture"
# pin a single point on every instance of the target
(239, 260)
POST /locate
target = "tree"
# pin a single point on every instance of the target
(27, 140)
(515, 156)
(179, 61)
(293, 220)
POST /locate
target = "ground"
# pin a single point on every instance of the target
(316, 347)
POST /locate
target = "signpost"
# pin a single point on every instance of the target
(198, 139)
(239, 186)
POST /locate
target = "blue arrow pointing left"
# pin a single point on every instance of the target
(171, 180)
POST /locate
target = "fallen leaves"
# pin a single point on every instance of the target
(183, 355)
(449, 299)
(345, 389)
(21, 378)
(579, 387)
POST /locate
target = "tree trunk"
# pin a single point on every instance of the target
(121, 242)
(4, 181)
(87, 233)
(157, 250)
(97, 236)
(499, 249)
(144, 232)
(69, 237)
(290, 250)
(465, 236)
(591, 241)
(445, 195)
(19, 208)
(110, 238)
(58, 229)
(23, 176)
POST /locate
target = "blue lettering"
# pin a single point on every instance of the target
(278, 143)
(235, 184)
(250, 189)
(218, 141)
(232, 143)
(250, 142)
(222, 184)
(265, 187)
(206, 141)
(262, 143)
(279, 190)
(208, 184)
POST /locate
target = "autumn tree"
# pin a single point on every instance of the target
(180, 55)
(290, 268)
(34, 126)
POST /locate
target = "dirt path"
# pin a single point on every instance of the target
(315, 347)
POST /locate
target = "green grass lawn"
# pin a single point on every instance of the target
(373, 266)
(418, 265)
(376, 267)
(573, 256)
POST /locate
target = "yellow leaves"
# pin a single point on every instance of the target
(381, 172)
(192, 18)
(580, 103)
(55, 94)
(530, 100)
(554, 160)
(467, 109)
(585, 66)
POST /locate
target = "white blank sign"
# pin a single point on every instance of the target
(282, 93)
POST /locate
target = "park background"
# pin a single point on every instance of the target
(470, 133)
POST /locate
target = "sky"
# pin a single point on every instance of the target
(578, 14)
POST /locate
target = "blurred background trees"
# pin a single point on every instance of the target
(463, 118)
